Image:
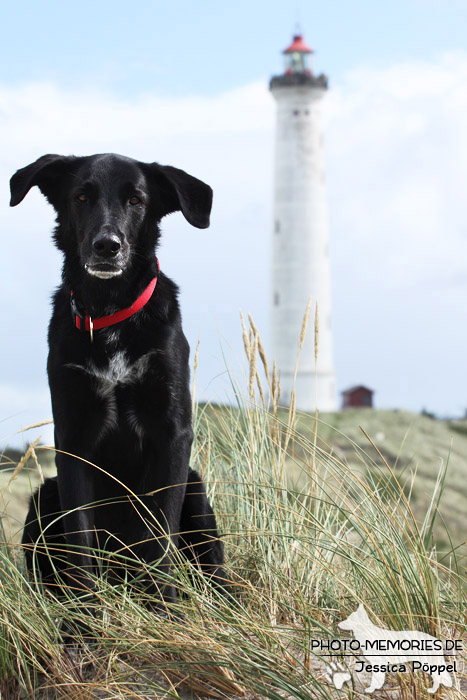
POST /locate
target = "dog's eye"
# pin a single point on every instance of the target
(134, 200)
(82, 198)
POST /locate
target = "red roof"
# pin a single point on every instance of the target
(298, 45)
(359, 387)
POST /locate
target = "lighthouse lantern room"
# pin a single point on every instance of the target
(297, 56)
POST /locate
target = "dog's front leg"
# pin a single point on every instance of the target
(75, 485)
(78, 416)
(167, 486)
(166, 506)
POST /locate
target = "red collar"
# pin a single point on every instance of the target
(84, 322)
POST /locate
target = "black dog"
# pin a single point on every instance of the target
(118, 374)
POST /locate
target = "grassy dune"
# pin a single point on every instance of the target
(314, 524)
(415, 446)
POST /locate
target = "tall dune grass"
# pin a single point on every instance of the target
(307, 539)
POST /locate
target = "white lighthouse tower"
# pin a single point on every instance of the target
(300, 267)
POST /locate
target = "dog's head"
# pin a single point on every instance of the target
(108, 206)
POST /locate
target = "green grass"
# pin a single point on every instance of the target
(313, 525)
(414, 446)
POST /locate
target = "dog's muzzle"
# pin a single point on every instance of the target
(102, 271)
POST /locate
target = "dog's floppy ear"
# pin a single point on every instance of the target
(185, 193)
(44, 173)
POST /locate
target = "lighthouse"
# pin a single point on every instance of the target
(300, 248)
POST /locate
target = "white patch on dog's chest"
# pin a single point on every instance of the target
(118, 372)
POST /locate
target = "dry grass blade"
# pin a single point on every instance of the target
(36, 462)
(195, 369)
(262, 352)
(252, 369)
(35, 425)
(260, 389)
(306, 318)
(29, 453)
(315, 428)
(246, 342)
(316, 331)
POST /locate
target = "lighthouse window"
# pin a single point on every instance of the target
(277, 226)
(296, 112)
(276, 298)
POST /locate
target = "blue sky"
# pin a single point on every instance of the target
(203, 48)
(186, 84)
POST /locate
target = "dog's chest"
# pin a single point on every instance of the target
(119, 371)
(110, 378)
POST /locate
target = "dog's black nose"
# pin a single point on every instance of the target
(106, 245)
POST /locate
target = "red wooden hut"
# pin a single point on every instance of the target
(357, 396)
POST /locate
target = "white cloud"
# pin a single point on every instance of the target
(397, 153)
(396, 144)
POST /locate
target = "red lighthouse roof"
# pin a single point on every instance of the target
(298, 46)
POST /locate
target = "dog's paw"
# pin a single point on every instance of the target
(337, 675)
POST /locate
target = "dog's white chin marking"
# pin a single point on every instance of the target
(103, 274)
